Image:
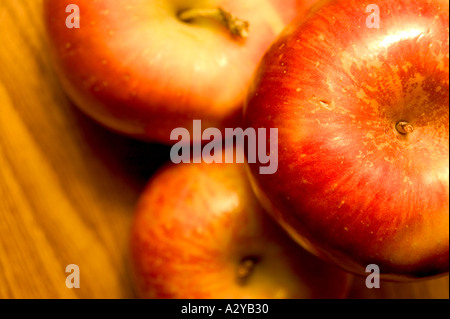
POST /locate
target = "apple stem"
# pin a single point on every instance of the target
(245, 268)
(235, 25)
(404, 127)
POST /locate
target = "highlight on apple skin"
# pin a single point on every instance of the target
(199, 232)
(363, 121)
(144, 68)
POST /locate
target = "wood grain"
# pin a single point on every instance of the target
(68, 187)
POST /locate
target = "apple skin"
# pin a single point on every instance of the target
(350, 188)
(196, 223)
(134, 67)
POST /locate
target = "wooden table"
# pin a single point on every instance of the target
(68, 187)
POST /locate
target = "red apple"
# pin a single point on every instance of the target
(199, 232)
(363, 120)
(136, 67)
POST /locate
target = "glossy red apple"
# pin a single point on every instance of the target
(136, 67)
(199, 232)
(363, 119)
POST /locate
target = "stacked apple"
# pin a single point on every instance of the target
(362, 118)
(361, 103)
(199, 232)
(143, 68)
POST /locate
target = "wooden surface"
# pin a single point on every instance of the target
(68, 187)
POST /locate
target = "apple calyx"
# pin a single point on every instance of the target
(404, 127)
(245, 269)
(236, 26)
